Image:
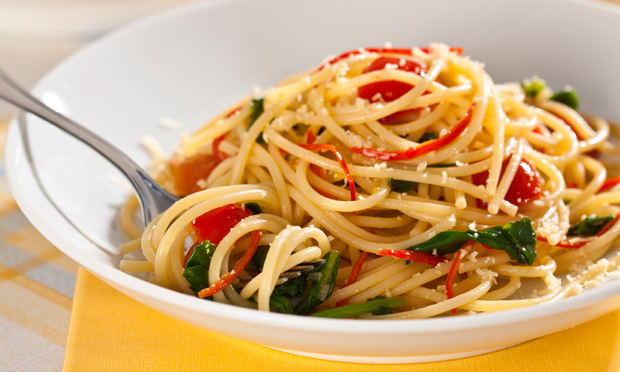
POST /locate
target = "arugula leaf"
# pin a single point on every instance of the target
(323, 279)
(533, 87)
(590, 226)
(197, 266)
(567, 97)
(427, 136)
(374, 306)
(401, 186)
(518, 239)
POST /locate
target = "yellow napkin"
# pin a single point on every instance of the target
(111, 332)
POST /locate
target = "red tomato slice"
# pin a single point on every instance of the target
(215, 224)
(390, 90)
(526, 185)
(402, 117)
(186, 174)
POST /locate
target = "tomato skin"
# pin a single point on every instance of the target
(215, 224)
(390, 90)
(526, 185)
(187, 173)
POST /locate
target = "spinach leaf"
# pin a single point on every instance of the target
(323, 279)
(254, 208)
(281, 304)
(256, 110)
(294, 287)
(374, 306)
(197, 266)
(518, 239)
(401, 186)
(590, 226)
(260, 255)
(567, 97)
(441, 165)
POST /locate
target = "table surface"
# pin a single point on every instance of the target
(37, 284)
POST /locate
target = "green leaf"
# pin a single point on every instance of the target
(401, 186)
(254, 208)
(441, 165)
(197, 266)
(355, 310)
(323, 280)
(201, 256)
(445, 242)
(567, 97)
(197, 277)
(256, 110)
(590, 226)
(260, 255)
(533, 87)
(518, 239)
(427, 136)
(281, 304)
(292, 288)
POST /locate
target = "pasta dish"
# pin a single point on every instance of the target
(387, 183)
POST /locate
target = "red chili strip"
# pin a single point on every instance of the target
(240, 265)
(423, 148)
(343, 164)
(565, 244)
(404, 51)
(355, 271)
(415, 256)
(311, 137)
(609, 183)
(216, 148)
(454, 270)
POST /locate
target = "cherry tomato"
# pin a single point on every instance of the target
(526, 185)
(390, 90)
(186, 174)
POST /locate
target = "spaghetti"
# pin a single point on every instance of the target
(387, 183)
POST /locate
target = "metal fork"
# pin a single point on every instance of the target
(153, 198)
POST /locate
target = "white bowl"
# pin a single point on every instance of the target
(191, 63)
